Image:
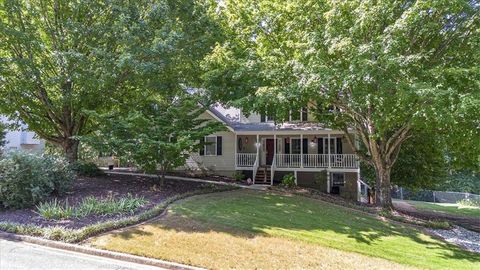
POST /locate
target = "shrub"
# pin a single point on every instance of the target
(84, 168)
(289, 181)
(26, 179)
(238, 176)
(469, 202)
(60, 173)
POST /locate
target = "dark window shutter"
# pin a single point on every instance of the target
(339, 146)
(304, 114)
(219, 145)
(262, 117)
(202, 148)
(305, 146)
(320, 145)
(287, 146)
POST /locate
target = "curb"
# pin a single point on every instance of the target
(97, 252)
(255, 187)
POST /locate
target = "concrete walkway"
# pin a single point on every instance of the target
(25, 256)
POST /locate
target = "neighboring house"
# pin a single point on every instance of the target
(21, 139)
(318, 156)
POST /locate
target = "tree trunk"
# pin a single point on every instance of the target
(70, 149)
(383, 196)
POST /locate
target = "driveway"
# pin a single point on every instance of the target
(24, 256)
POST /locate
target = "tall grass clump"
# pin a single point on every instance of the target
(91, 206)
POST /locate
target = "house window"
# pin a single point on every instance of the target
(295, 145)
(264, 117)
(301, 115)
(338, 179)
(211, 146)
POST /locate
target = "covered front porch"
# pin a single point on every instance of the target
(294, 151)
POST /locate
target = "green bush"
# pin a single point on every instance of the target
(60, 173)
(469, 202)
(85, 168)
(289, 181)
(238, 176)
(26, 179)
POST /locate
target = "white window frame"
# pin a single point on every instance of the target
(325, 145)
(291, 145)
(205, 146)
(267, 119)
(301, 115)
(344, 180)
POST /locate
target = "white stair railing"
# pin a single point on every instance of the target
(362, 191)
(255, 166)
(272, 169)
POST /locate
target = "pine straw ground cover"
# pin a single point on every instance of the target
(246, 229)
(108, 213)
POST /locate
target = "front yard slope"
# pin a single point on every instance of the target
(248, 229)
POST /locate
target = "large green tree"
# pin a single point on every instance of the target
(157, 133)
(60, 58)
(389, 67)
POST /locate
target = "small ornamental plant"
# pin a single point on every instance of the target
(289, 181)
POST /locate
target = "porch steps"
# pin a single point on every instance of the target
(263, 175)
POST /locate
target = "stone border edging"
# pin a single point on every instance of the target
(255, 187)
(97, 252)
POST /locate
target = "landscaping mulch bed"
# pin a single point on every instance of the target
(102, 187)
(210, 177)
(470, 223)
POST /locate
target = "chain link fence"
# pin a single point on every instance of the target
(433, 196)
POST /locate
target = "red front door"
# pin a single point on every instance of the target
(270, 151)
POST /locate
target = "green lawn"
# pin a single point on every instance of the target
(446, 208)
(239, 229)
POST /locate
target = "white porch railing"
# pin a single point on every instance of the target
(315, 160)
(346, 161)
(288, 160)
(246, 159)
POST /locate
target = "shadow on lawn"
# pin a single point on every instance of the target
(248, 214)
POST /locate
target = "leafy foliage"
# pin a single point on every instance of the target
(62, 58)
(157, 133)
(90, 206)
(463, 181)
(289, 181)
(238, 176)
(391, 68)
(3, 133)
(26, 179)
(85, 168)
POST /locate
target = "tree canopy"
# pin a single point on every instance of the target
(157, 133)
(61, 58)
(389, 67)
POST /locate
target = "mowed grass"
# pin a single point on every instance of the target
(248, 229)
(447, 208)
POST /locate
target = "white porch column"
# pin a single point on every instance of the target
(272, 170)
(301, 150)
(328, 181)
(296, 182)
(328, 146)
(258, 145)
(236, 147)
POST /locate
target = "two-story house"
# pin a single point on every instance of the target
(21, 139)
(317, 156)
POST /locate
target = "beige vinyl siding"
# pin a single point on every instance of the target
(217, 163)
